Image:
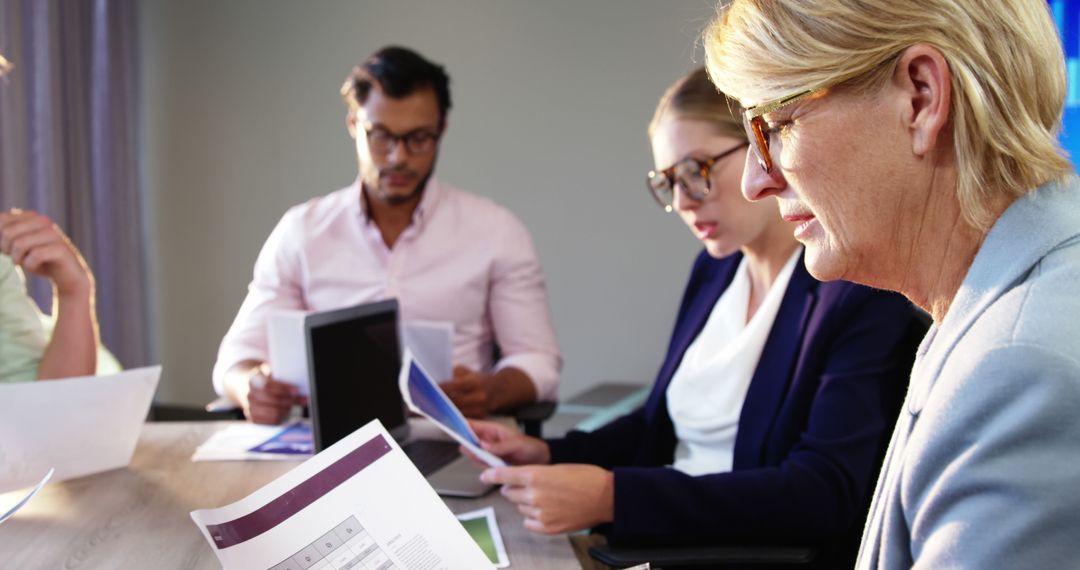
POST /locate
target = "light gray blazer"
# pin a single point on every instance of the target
(983, 470)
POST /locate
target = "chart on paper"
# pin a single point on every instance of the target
(347, 545)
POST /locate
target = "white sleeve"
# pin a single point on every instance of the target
(520, 314)
(277, 285)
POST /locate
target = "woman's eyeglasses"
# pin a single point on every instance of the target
(690, 174)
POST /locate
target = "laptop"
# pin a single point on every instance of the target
(354, 358)
(78, 426)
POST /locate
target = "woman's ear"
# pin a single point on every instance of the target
(923, 77)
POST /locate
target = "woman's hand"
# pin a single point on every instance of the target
(511, 445)
(558, 498)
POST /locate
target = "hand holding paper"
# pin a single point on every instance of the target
(424, 397)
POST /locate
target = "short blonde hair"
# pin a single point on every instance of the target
(694, 96)
(1007, 66)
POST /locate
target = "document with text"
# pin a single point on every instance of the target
(360, 503)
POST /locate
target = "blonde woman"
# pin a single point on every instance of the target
(914, 144)
(770, 412)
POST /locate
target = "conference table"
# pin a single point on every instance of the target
(137, 517)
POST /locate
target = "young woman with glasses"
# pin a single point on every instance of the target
(772, 407)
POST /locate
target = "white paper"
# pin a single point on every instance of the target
(432, 344)
(19, 504)
(424, 397)
(359, 502)
(234, 443)
(488, 514)
(78, 425)
(288, 348)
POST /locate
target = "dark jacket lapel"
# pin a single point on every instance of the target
(775, 371)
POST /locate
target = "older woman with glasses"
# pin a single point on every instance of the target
(771, 410)
(914, 144)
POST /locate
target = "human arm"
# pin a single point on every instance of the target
(555, 499)
(263, 399)
(807, 478)
(552, 498)
(511, 445)
(521, 319)
(476, 393)
(37, 245)
(244, 351)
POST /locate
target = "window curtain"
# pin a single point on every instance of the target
(68, 141)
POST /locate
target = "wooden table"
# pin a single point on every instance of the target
(138, 517)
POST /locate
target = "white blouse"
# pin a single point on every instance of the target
(706, 394)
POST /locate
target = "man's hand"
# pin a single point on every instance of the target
(468, 390)
(511, 445)
(40, 247)
(264, 400)
(558, 498)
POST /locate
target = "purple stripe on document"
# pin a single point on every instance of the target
(277, 511)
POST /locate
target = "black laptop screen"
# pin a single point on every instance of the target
(354, 361)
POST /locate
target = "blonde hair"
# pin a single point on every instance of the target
(1007, 67)
(694, 96)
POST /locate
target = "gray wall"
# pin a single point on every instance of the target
(241, 119)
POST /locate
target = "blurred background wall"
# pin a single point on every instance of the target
(240, 119)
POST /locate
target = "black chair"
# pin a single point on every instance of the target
(529, 417)
(703, 557)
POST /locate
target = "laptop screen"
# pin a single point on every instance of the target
(353, 363)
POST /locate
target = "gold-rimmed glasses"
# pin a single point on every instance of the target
(759, 131)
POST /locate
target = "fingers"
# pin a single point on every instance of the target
(511, 476)
(20, 246)
(535, 525)
(14, 225)
(269, 401)
(469, 395)
(38, 259)
(489, 433)
(525, 496)
(39, 246)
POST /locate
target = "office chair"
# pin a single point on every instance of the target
(669, 558)
(530, 417)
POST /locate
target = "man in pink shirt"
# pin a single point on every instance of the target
(398, 232)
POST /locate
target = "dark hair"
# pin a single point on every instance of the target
(399, 72)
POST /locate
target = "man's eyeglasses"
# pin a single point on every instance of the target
(418, 141)
(691, 174)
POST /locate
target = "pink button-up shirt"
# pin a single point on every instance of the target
(462, 259)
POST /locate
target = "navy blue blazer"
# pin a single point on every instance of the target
(817, 416)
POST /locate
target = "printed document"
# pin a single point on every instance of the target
(288, 348)
(482, 527)
(424, 397)
(249, 441)
(360, 503)
(432, 344)
(78, 426)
